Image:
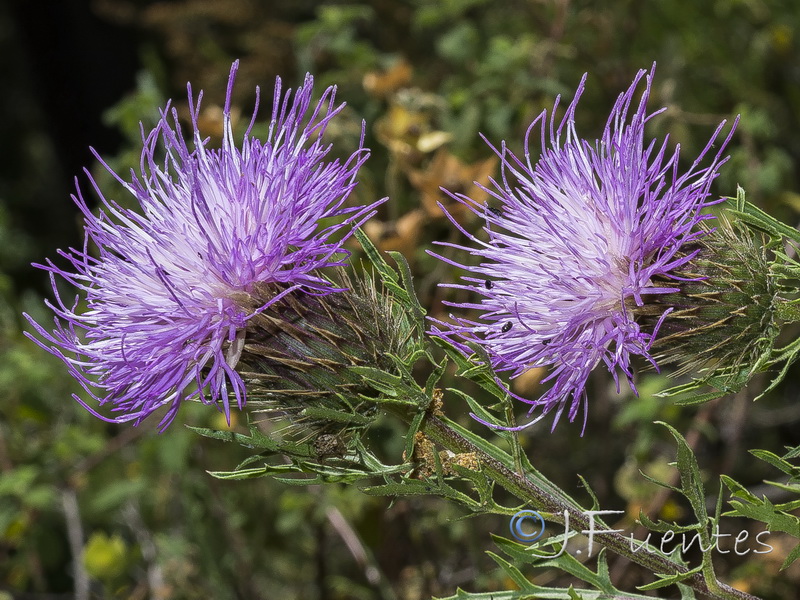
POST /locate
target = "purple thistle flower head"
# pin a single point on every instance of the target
(159, 321)
(574, 247)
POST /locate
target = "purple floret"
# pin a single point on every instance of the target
(157, 321)
(575, 243)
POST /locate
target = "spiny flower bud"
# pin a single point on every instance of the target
(724, 317)
(296, 358)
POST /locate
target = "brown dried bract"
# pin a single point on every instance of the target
(424, 459)
(437, 402)
(468, 460)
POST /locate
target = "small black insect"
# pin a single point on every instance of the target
(497, 212)
(489, 284)
(506, 327)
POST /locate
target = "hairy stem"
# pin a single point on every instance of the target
(531, 492)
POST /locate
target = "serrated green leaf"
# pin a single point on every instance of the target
(335, 416)
(373, 255)
(765, 512)
(792, 453)
(511, 571)
(573, 595)
(602, 568)
(414, 487)
(777, 462)
(565, 562)
(658, 482)
(485, 488)
(691, 481)
(390, 280)
(793, 556)
(249, 473)
(665, 580)
(588, 488)
(662, 526)
(699, 398)
(411, 434)
(787, 506)
(478, 372)
(436, 375)
(408, 285)
(687, 593)
(507, 595)
(255, 458)
(718, 506)
(256, 439)
(478, 409)
(535, 592)
(737, 489)
(385, 383)
(752, 215)
(403, 365)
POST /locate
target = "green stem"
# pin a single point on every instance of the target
(529, 491)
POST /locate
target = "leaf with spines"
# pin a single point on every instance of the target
(754, 216)
(601, 586)
(776, 517)
(667, 580)
(691, 480)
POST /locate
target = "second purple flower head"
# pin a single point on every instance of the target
(580, 237)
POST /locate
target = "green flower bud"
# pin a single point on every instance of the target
(296, 358)
(724, 318)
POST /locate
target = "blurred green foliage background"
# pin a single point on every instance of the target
(90, 510)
